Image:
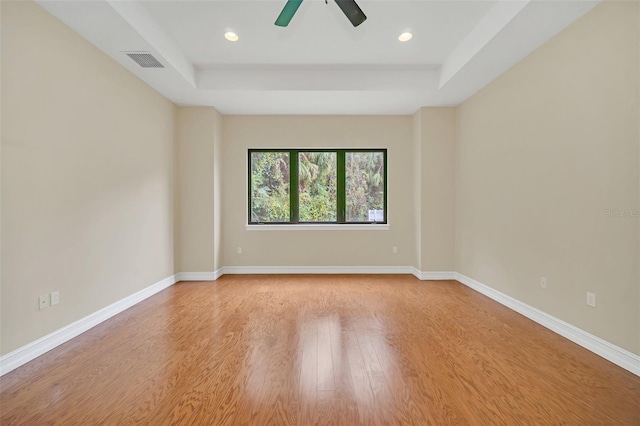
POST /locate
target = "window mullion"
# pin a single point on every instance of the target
(294, 209)
(384, 156)
(340, 196)
(250, 204)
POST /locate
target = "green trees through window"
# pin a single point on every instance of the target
(270, 187)
(317, 186)
(365, 183)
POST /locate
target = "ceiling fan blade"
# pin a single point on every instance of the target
(352, 10)
(287, 13)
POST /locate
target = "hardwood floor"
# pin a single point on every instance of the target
(305, 350)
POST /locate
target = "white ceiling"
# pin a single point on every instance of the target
(319, 64)
(319, 33)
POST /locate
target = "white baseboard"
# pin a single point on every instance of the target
(317, 270)
(217, 274)
(21, 356)
(621, 357)
(199, 276)
(250, 270)
(434, 275)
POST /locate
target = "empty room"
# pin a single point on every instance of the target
(310, 212)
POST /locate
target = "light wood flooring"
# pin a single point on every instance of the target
(331, 350)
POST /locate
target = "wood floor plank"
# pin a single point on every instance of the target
(319, 350)
(325, 356)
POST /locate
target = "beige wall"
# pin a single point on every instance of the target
(218, 171)
(313, 248)
(0, 180)
(543, 152)
(417, 186)
(87, 177)
(198, 169)
(437, 134)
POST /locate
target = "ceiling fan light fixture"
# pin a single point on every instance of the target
(231, 36)
(350, 8)
(405, 37)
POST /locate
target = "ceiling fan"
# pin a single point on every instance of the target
(348, 7)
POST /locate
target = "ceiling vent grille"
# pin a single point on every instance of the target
(144, 59)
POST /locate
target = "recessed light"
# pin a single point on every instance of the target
(405, 36)
(231, 36)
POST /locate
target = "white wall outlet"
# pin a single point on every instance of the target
(239, 250)
(394, 249)
(55, 298)
(543, 282)
(43, 301)
(591, 299)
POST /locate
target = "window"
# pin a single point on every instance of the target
(291, 186)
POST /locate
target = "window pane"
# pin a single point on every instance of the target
(269, 187)
(317, 186)
(364, 186)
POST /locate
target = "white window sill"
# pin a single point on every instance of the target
(318, 227)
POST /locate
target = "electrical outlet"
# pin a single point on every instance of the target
(395, 249)
(543, 282)
(55, 298)
(43, 301)
(591, 299)
(239, 250)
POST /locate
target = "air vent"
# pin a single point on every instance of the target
(144, 59)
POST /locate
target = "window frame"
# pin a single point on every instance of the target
(294, 208)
